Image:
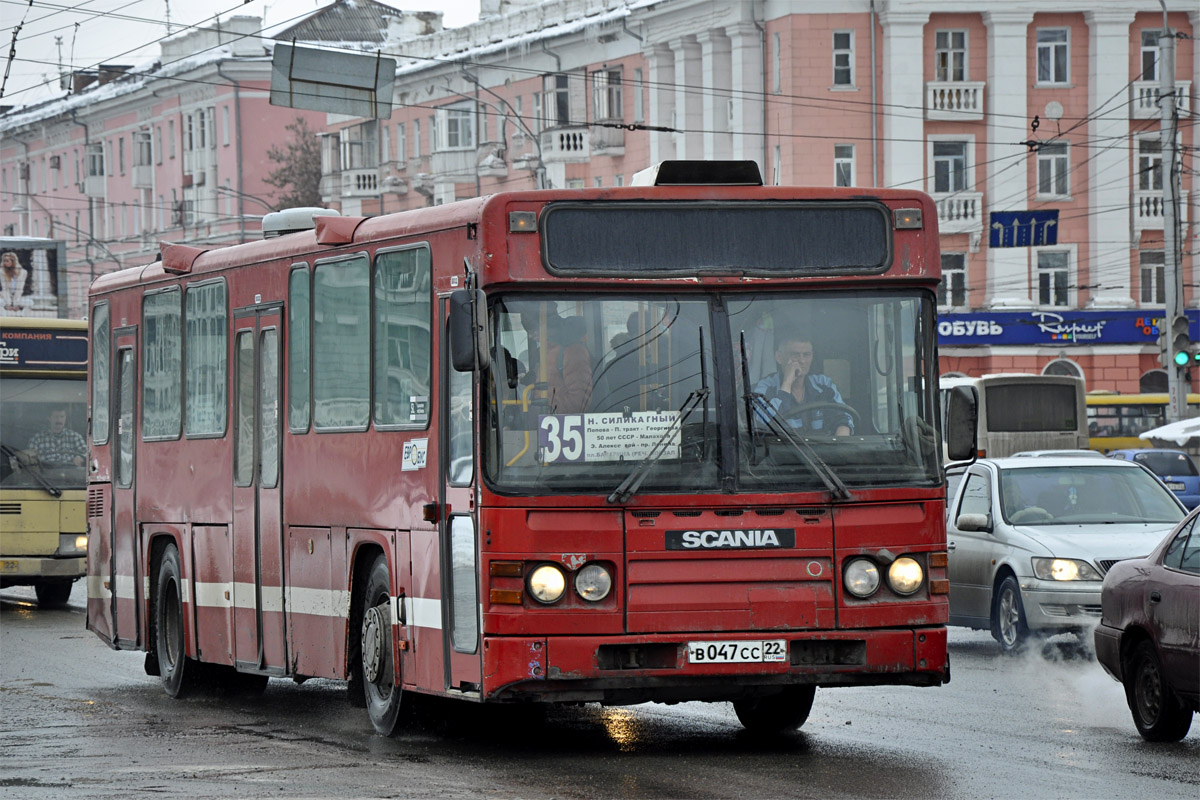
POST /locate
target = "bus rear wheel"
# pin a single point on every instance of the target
(380, 678)
(52, 594)
(178, 672)
(776, 713)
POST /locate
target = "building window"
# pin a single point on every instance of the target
(557, 90)
(950, 55)
(776, 65)
(538, 119)
(1150, 52)
(1052, 55)
(1053, 271)
(455, 128)
(776, 165)
(606, 94)
(843, 58)
(171, 138)
(95, 160)
(1062, 366)
(952, 291)
(225, 126)
(360, 146)
(1150, 172)
(401, 144)
(143, 153)
(639, 97)
(385, 144)
(843, 165)
(618, 180)
(949, 167)
(416, 138)
(1153, 263)
(1053, 165)
(158, 144)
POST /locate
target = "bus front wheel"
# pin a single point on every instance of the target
(380, 678)
(52, 594)
(776, 713)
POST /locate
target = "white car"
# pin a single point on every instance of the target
(1031, 538)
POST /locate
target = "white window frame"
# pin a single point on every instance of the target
(848, 54)
(945, 73)
(607, 97)
(1072, 270)
(1051, 48)
(969, 141)
(1057, 166)
(639, 97)
(170, 138)
(1148, 167)
(401, 144)
(776, 65)
(416, 138)
(1151, 289)
(94, 158)
(946, 289)
(1154, 51)
(844, 167)
(225, 126)
(456, 127)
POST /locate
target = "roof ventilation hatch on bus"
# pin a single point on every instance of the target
(179, 258)
(292, 220)
(699, 173)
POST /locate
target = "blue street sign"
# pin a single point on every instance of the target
(1022, 228)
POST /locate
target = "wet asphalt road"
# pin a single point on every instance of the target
(81, 721)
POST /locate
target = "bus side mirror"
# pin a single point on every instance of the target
(468, 330)
(962, 417)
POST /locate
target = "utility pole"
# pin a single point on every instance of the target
(1172, 274)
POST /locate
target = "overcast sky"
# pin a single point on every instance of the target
(127, 32)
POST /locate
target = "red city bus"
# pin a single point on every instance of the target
(526, 448)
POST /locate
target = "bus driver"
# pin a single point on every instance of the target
(794, 387)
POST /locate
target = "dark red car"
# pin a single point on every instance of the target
(1149, 634)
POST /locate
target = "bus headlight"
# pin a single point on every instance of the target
(905, 575)
(861, 577)
(547, 583)
(593, 583)
(1064, 569)
(72, 544)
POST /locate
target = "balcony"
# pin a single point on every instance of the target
(954, 100)
(607, 141)
(453, 165)
(564, 145)
(959, 212)
(360, 182)
(1148, 210)
(1143, 100)
(94, 185)
(143, 176)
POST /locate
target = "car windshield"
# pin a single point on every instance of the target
(1167, 462)
(711, 392)
(41, 431)
(1079, 493)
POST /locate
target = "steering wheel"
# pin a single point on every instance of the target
(805, 408)
(1030, 514)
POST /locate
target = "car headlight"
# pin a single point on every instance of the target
(593, 583)
(861, 577)
(72, 544)
(1064, 569)
(905, 575)
(547, 583)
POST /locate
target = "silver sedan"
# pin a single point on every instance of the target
(1031, 538)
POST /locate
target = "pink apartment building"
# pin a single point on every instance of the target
(1023, 107)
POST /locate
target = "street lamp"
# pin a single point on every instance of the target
(230, 190)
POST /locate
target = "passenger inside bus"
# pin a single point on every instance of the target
(804, 399)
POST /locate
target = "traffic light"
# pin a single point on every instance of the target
(1181, 342)
(1164, 352)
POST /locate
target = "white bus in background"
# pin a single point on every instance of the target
(1025, 412)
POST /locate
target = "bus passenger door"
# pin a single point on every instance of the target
(125, 575)
(459, 535)
(258, 607)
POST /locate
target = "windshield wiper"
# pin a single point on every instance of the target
(756, 402)
(50, 488)
(631, 483)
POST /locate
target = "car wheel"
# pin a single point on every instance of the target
(1157, 712)
(775, 713)
(52, 594)
(1009, 627)
(380, 675)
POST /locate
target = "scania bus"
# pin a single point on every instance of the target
(517, 449)
(43, 383)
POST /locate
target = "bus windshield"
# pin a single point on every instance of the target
(41, 432)
(711, 392)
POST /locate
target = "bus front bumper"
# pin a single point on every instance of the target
(658, 668)
(24, 570)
